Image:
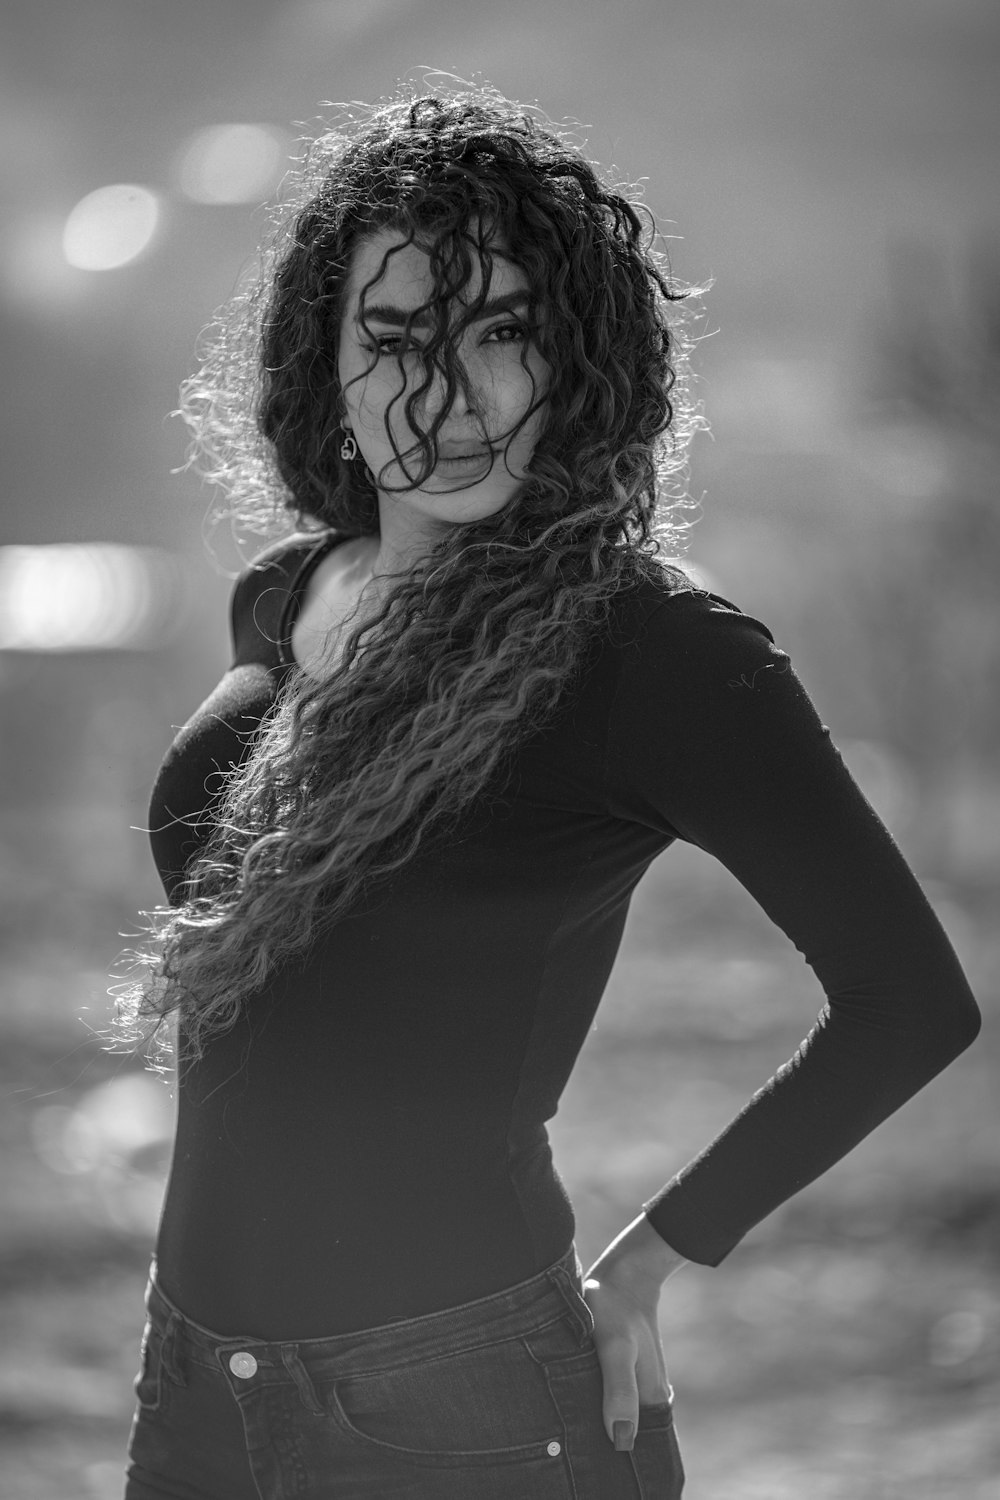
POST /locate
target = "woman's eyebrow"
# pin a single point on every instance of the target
(385, 312)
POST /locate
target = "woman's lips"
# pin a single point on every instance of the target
(463, 460)
(456, 462)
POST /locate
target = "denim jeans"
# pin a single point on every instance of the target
(498, 1399)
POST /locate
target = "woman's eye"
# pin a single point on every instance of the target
(397, 345)
(508, 333)
(394, 343)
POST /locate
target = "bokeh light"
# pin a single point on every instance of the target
(110, 226)
(85, 596)
(231, 163)
(117, 1137)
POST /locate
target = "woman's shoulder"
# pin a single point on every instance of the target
(282, 558)
(701, 691)
(671, 623)
(261, 591)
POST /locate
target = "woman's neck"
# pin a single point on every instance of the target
(405, 536)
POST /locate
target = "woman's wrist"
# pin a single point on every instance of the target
(638, 1256)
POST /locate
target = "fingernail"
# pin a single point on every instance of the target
(624, 1432)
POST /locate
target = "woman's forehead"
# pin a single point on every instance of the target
(406, 279)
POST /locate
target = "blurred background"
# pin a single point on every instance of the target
(833, 167)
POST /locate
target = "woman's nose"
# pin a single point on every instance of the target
(435, 400)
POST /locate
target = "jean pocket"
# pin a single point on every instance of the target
(656, 1455)
(148, 1384)
(488, 1405)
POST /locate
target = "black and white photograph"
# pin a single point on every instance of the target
(500, 685)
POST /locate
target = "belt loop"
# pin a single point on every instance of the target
(575, 1301)
(297, 1370)
(169, 1350)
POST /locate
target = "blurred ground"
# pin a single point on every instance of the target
(848, 1350)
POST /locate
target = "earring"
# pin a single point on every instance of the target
(348, 448)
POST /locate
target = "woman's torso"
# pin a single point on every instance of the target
(368, 1142)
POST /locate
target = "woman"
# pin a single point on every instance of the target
(467, 708)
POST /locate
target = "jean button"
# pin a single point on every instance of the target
(553, 1449)
(242, 1364)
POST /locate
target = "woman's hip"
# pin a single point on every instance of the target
(499, 1398)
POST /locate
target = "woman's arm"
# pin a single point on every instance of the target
(720, 744)
(715, 740)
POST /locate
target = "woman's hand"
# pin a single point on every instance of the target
(622, 1290)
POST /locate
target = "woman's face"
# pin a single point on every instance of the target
(480, 464)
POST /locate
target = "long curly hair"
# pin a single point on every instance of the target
(474, 648)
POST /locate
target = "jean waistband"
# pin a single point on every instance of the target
(506, 1314)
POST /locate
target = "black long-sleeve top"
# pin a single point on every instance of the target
(369, 1141)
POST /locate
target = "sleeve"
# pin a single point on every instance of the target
(720, 745)
(219, 733)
